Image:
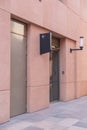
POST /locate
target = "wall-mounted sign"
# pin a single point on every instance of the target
(45, 43)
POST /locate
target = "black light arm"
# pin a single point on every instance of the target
(76, 49)
(81, 46)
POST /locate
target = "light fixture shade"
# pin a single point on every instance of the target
(81, 42)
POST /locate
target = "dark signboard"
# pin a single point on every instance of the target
(45, 43)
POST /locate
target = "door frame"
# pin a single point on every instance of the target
(55, 38)
(25, 35)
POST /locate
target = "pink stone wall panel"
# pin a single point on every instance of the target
(38, 65)
(38, 98)
(5, 4)
(37, 72)
(83, 10)
(4, 50)
(67, 61)
(74, 5)
(81, 88)
(81, 65)
(83, 30)
(45, 13)
(4, 106)
(70, 61)
(31, 10)
(53, 15)
(68, 67)
(68, 91)
(54, 18)
(63, 91)
(69, 20)
(72, 24)
(63, 1)
(62, 61)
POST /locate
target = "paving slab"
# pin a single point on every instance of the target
(81, 124)
(76, 128)
(71, 115)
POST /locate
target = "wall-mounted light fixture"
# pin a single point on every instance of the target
(81, 45)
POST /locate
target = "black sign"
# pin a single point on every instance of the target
(45, 43)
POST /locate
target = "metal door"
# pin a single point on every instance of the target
(18, 68)
(54, 75)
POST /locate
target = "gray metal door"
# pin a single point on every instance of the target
(18, 68)
(54, 73)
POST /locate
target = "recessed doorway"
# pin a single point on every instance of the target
(18, 94)
(54, 71)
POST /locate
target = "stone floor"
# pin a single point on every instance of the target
(70, 115)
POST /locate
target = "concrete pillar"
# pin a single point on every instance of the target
(67, 70)
(4, 66)
(37, 72)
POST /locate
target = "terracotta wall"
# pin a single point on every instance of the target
(4, 65)
(67, 18)
(52, 14)
(37, 72)
(67, 70)
(81, 56)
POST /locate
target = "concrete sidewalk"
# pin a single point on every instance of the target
(70, 115)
